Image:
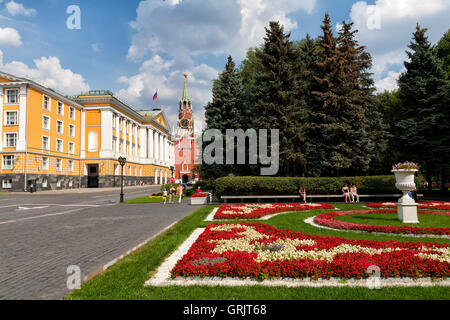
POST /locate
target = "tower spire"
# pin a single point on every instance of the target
(185, 96)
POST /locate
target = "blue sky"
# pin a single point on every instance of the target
(134, 47)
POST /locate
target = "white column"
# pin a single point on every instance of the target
(83, 135)
(161, 147)
(21, 139)
(151, 144)
(156, 145)
(106, 148)
(1, 118)
(143, 143)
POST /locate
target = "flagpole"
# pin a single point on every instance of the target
(157, 99)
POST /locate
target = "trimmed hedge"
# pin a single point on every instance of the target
(314, 186)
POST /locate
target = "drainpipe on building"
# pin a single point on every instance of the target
(26, 145)
(79, 164)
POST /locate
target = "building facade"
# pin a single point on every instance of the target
(57, 142)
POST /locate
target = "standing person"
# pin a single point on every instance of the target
(172, 192)
(213, 186)
(165, 196)
(346, 192)
(180, 192)
(354, 193)
(302, 193)
(31, 187)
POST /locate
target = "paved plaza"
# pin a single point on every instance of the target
(44, 233)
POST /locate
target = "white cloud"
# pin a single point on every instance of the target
(388, 83)
(186, 28)
(49, 73)
(169, 35)
(96, 47)
(17, 9)
(164, 76)
(10, 36)
(386, 29)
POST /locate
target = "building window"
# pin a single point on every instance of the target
(121, 146)
(11, 140)
(71, 148)
(8, 162)
(128, 148)
(11, 118)
(70, 165)
(7, 184)
(44, 183)
(120, 124)
(72, 113)
(93, 141)
(46, 103)
(45, 164)
(114, 144)
(127, 127)
(58, 165)
(60, 109)
(59, 145)
(12, 96)
(45, 143)
(46, 123)
(59, 127)
(71, 130)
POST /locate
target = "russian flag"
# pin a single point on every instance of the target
(155, 96)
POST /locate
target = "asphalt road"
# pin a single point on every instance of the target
(41, 235)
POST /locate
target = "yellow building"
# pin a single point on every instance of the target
(57, 142)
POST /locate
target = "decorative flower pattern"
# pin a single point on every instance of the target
(255, 211)
(328, 220)
(255, 250)
(438, 205)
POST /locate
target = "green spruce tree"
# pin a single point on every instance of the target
(276, 97)
(425, 120)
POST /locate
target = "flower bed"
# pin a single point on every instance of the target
(255, 250)
(438, 205)
(328, 220)
(255, 211)
(200, 195)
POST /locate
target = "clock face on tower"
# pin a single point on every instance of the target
(184, 123)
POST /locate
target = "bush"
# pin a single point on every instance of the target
(314, 186)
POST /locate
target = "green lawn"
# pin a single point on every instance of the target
(425, 220)
(125, 280)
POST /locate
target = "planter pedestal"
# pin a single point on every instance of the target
(407, 212)
(406, 207)
(198, 201)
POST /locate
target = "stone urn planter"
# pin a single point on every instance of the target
(407, 207)
(199, 200)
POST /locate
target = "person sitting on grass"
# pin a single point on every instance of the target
(346, 193)
(302, 193)
(354, 193)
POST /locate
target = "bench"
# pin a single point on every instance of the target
(325, 196)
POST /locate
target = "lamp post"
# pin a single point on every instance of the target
(122, 161)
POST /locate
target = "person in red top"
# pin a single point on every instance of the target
(179, 192)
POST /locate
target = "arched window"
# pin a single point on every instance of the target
(93, 141)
